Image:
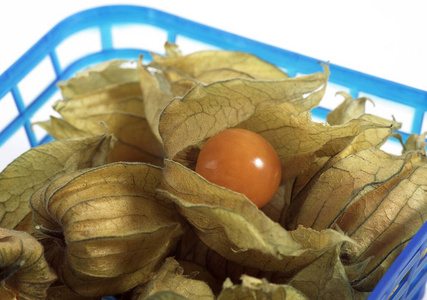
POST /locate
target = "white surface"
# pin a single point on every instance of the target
(381, 38)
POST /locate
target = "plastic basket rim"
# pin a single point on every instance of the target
(71, 20)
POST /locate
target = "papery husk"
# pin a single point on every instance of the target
(344, 211)
(26, 224)
(314, 244)
(104, 229)
(197, 64)
(216, 268)
(378, 199)
(98, 77)
(24, 272)
(277, 207)
(41, 164)
(324, 278)
(62, 292)
(354, 272)
(255, 288)
(61, 129)
(349, 109)
(231, 225)
(198, 272)
(208, 109)
(392, 215)
(222, 74)
(170, 278)
(120, 108)
(299, 141)
(125, 97)
(415, 142)
(373, 133)
(158, 90)
(343, 183)
(7, 293)
(230, 222)
(172, 49)
(166, 78)
(166, 295)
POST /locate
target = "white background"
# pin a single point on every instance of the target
(381, 38)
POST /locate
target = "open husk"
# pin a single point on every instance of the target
(104, 229)
(24, 272)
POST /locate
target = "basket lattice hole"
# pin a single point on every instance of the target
(188, 45)
(392, 146)
(330, 99)
(14, 147)
(424, 124)
(36, 81)
(43, 114)
(145, 37)
(387, 109)
(7, 105)
(78, 46)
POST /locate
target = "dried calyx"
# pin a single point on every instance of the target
(118, 208)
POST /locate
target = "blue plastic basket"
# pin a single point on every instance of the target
(405, 279)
